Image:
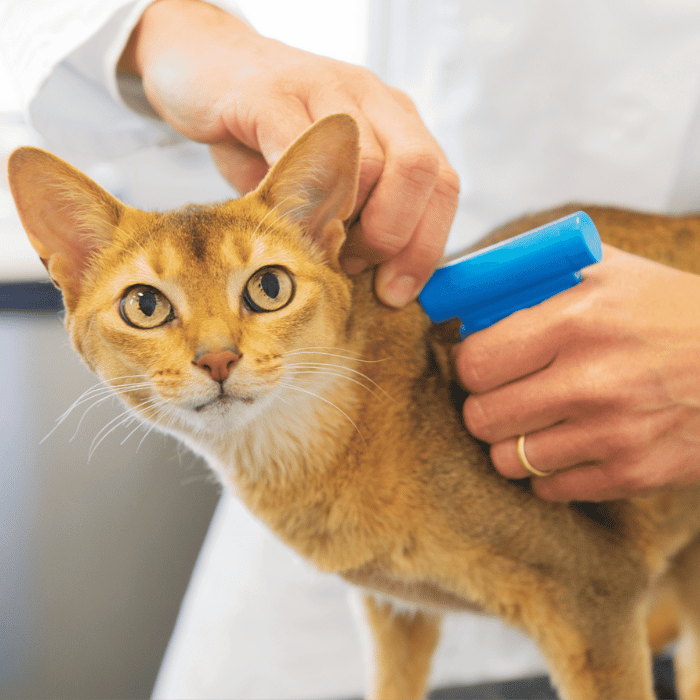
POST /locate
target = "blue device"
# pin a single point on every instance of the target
(490, 284)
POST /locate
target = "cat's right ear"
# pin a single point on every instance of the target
(315, 181)
(67, 216)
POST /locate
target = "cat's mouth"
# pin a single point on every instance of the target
(224, 400)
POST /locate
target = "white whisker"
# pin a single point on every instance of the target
(97, 390)
(125, 417)
(316, 351)
(322, 368)
(330, 403)
(106, 395)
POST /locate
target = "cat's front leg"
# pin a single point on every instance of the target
(684, 576)
(403, 646)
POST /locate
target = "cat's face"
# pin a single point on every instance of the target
(206, 316)
(210, 315)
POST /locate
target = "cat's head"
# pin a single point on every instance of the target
(194, 314)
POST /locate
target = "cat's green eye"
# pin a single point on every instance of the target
(145, 307)
(269, 289)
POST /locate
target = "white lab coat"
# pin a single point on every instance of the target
(535, 103)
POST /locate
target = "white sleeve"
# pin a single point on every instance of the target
(63, 55)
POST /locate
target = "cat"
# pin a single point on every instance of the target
(337, 420)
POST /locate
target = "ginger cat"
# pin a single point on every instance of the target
(337, 420)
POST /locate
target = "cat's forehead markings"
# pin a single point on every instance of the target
(210, 234)
(196, 226)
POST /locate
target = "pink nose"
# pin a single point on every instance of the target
(218, 364)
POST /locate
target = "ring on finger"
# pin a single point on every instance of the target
(524, 460)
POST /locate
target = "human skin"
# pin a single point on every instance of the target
(267, 94)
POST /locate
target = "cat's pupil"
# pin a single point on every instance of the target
(270, 284)
(147, 303)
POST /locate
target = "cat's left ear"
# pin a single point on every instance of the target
(315, 181)
(67, 216)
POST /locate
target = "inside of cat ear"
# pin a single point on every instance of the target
(315, 181)
(66, 215)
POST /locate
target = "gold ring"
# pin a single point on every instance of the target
(524, 461)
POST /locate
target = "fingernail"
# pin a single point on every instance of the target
(353, 266)
(398, 291)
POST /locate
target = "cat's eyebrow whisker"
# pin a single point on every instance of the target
(291, 211)
(330, 403)
(322, 368)
(130, 236)
(270, 212)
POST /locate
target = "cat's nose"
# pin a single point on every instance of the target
(218, 365)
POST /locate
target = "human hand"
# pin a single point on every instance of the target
(217, 81)
(602, 379)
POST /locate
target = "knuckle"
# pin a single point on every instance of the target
(427, 251)
(419, 166)
(381, 238)
(622, 438)
(371, 167)
(573, 323)
(631, 480)
(471, 364)
(477, 419)
(448, 185)
(403, 98)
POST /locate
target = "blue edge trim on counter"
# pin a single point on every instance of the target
(31, 297)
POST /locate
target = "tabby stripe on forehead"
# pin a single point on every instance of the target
(204, 229)
(197, 223)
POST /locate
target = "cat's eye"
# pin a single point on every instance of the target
(269, 289)
(145, 307)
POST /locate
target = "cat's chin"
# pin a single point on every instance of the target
(223, 401)
(223, 414)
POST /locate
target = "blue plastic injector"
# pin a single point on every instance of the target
(486, 286)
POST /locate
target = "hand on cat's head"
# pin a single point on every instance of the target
(217, 81)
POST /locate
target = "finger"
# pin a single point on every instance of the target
(401, 278)
(241, 166)
(608, 481)
(270, 128)
(589, 482)
(408, 217)
(409, 212)
(612, 455)
(517, 346)
(534, 403)
(554, 449)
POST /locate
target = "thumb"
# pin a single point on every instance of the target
(267, 129)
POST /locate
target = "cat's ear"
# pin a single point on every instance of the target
(315, 181)
(66, 215)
